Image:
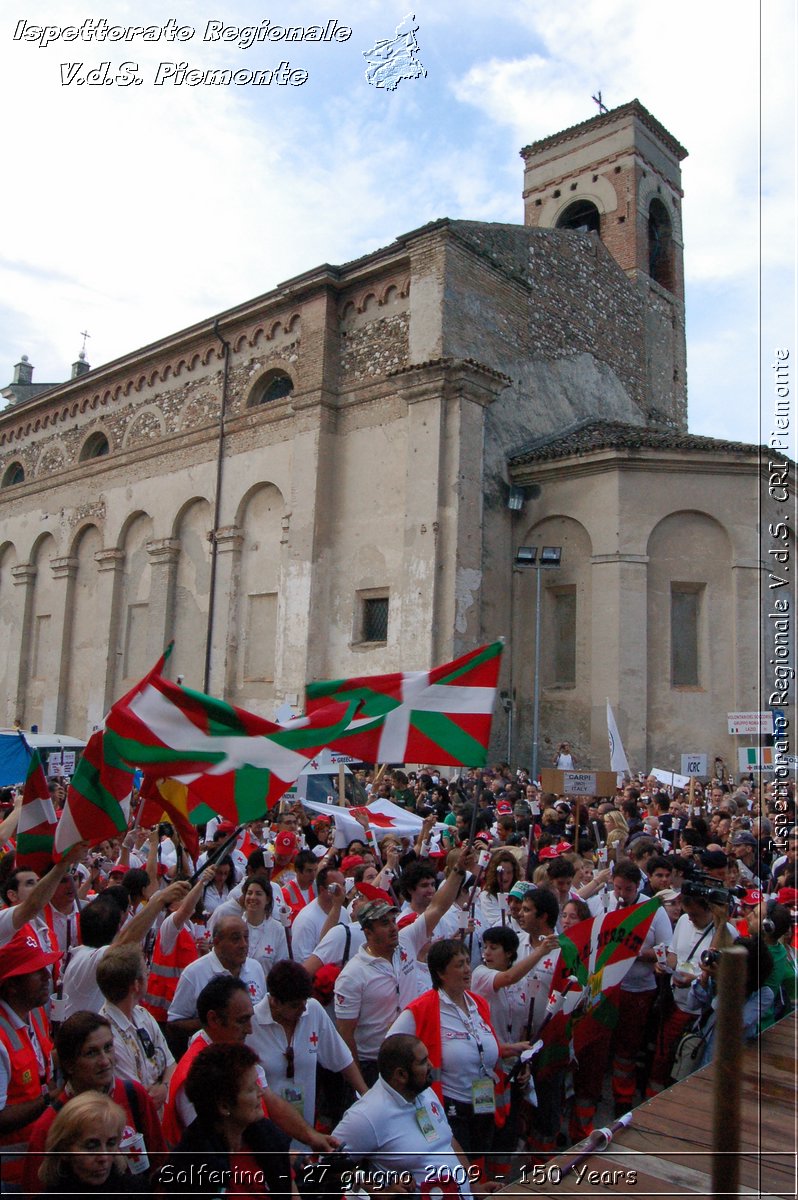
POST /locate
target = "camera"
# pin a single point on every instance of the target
(709, 958)
(698, 885)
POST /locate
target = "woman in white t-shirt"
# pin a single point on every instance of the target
(218, 890)
(267, 940)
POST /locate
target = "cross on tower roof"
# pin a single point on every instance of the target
(602, 107)
(84, 335)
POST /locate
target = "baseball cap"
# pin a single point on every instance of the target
(225, 828)
(503, 808)
(521, 889)
(787, 896)
(373, 893)
(350, 861)
(23, 954)
(668, 894)
(375, 910)
(286, 842)
(549, 852)
(744, 839)
(752, 896)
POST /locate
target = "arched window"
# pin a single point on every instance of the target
(660, 245)
(94, 447)
(14, 473)
(275, 385)
(581, 216)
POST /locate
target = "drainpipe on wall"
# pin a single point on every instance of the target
(217, 507)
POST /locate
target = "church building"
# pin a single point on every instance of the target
(336, 478)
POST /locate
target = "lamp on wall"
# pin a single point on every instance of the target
(527, 557)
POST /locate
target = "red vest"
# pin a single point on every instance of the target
(426, 1010)
(295, 898)
(165, 971)
(24, 1084)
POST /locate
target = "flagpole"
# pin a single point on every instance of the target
(216, 854)
(595, 1143)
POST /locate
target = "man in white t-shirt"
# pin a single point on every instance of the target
(381, 979)
(401, 1128)
(325, 911)
(228, 957)
(102, 925)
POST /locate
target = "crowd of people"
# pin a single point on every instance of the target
(169, 1024)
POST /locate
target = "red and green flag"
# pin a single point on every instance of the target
(37, 819)
(232, 762)
(595, 956)
(98, 798)
(441, 716)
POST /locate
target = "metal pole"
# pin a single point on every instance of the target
(727, 1059)
(536, 693)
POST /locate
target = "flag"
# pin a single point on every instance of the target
(595, 956)
(441, 716)
(167, 799)
(618, 761)
(98, 798)
(232, 762)
(384, 817)
(37, 819)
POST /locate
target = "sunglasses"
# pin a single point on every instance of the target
(289, 1062)
(147, 1044)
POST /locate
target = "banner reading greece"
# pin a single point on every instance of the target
(618, 762)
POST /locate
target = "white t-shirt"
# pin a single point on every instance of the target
(315, 1042)
(383, 1127)
(509, 1006)
(684, 937)
(131, 1060)
(267, 943)
(469, 1050)
(197, 974)
(374, 991)
(80, 990)
(307, 927)
(332, 946)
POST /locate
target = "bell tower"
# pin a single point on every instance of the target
(618, 177)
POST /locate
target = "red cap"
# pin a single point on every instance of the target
(286, 843)
(321, 820)
(563, 847)
(324, 980)
(118, 869)
(503, 808)
(23, 954)
(351, 861)
(787, 896)
(752, 896)
(406, 920)
(549, 852)
(225, 827)
(372, 893)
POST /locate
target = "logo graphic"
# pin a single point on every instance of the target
(390, 60)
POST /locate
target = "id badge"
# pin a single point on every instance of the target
(483, 1099)
(424, 1122)
(295, 1098)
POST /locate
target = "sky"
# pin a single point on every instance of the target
(133, 211)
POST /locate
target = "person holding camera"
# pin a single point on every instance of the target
(759, 996)
(703, 925)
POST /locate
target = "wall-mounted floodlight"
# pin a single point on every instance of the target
(515, 498)
(550, 556)
(526, 556)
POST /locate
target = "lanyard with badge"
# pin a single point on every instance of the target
(483, 1092)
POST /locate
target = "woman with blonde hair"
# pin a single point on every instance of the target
(83, 1150)
(617, 829)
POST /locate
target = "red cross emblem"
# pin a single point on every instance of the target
(314, 1039)
(402, 956)
(547, 965)
(269, 950)
(253, 989)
